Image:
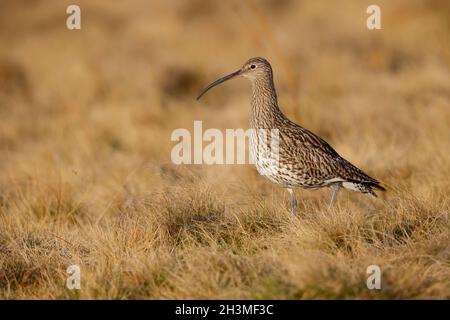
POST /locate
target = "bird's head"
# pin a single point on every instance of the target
(253, 69)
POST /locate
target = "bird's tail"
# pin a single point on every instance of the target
(364, 187)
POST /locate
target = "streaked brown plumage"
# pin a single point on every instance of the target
(304, 159)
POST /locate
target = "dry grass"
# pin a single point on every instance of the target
(85, 172)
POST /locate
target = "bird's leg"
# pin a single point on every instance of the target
(335, 187)
(293, 202)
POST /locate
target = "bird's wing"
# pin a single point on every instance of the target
(322, 160)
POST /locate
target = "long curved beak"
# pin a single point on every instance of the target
(219, 81)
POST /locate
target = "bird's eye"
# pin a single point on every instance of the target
(252, 66)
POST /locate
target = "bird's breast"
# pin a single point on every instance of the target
(265, 152)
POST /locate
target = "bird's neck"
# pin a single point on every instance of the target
(265, 110)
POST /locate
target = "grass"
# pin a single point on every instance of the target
(85, 170)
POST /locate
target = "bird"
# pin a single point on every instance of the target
(304, 160)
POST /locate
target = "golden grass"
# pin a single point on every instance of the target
(85, 172)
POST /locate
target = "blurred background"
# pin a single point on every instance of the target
(86, 115)
(132, 72)
(111, 93)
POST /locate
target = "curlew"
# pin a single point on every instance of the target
(304, 160)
